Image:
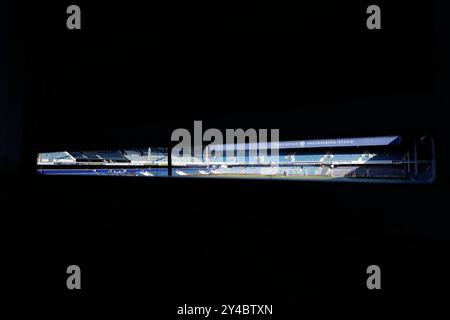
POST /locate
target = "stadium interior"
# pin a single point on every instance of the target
(162, 241)
(376, 157)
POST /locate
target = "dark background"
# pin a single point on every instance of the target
(138, 70)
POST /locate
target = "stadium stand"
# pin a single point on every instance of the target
(112, 156)
(79, 156)
(345, 157)
(92, 156)
(141, 156)
(310, 171)
(374, 160)
(343, 171)
(386, 157)
(308, 157)
(324, 171)
(385, 172)
(55, 157)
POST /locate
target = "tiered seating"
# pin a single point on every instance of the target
(284, 158)
(308, 157)
(344, 171)
(112, 156)
(368, 171)
(92, 156)
(56, 155)
(386, 172)
(324, 171)
(135, 155)
(157, 155)
(80, 156)
(51, 157)
(181, 159)
(132, 153)
(310, 171)
(345, 157)
(387, 157)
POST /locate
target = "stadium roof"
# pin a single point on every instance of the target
(318, 143)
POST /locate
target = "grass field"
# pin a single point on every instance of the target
(307, 178)
(259, 176)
